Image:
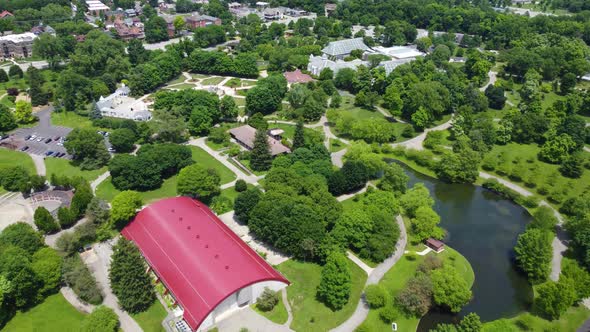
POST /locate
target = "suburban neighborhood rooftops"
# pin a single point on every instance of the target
(345, 46)
(197, 257)
(297, 77)
(245, 135)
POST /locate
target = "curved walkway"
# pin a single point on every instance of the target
(94, 184)
(288, 307)
(71, 297)
(362, 309)
(416, 142)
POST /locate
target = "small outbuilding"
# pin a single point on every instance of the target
(297, 76)
(244, 135)
(436, 245)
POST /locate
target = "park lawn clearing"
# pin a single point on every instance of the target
(70, 120)
(278, 314)
(547, 176)
(396, 279)
(181, 86)
(151, 319)
(107, 191)
(212, 80)
(10, 158)
(570, 321)
(240, 101)
(336, 145)
(53, 314)
(231, 192)
(359, 113)
(201, 157)
(64, 167)
(309, 314)
(179, 79)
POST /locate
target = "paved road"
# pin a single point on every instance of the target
(491, 80)
(252, 321)
(39, 162)
(98, 261)
(362, 309)
(416, 142)
(94, 184)
(71, 297)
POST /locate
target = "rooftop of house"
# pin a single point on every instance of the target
(344, 46)
(297, 77)
(245, 134)
(20, 38)
(399, 52)
(120, 104)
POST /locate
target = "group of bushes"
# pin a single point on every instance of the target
(530, 201)
(17, 178)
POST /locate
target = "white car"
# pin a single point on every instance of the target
(32, 138)
(39, 139)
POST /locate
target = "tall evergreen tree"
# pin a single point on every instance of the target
(298, 137)
(129, 280)
(3, 76)
(35, 80)
(261, 158)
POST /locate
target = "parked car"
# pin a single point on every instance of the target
(28, 137)
(48, 153)
(48, 140)
(57, 138)
(39, 139)
(4, 136)
(24, 148)
(32, 137)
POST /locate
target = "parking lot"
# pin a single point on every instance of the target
(39, 140)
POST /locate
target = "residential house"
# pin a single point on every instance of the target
(127, 29)
(5, 14)
(95, 7)
(271, 14)
(342, 48)
(120, 105)
(200, 21)
(297, 77)
(245, 136)
(17, 46)
(329, 8)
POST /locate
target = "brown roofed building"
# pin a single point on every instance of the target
(201, 21)
(297, 77)
(435, 245)
(5, 14)
(245, 136)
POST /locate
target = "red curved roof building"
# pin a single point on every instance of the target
(207, 268)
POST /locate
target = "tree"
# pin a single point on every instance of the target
(123, 140)
(462, 167)
(394, 179)
(124, 207)
(245, 202)
(23, 236)
(533, 254)
(156, 30)
(87, 147)
(544, 218)
(81, 199)
(557, 149)
(335, 281)
(568, 83)
(66, 217)
(15, 71)
(15, 178)
(7, 120)
(424, 225)
(199, 182)
(47, 264)
(23, 112)
(98, 211)
(262, 99)
(179, 24)
(261, 157)
(267, 300)
(326, 74)
(77, 276)
(416, 197)
(102, 319)
(496, 97)
(44, 221)
(450, 289)
(416, 298)
(375, 296)
(580, 277)
(353, 228)
(4, 77)
(35, 80)
(128, 268)
(228, 107)
(441, 54)
(141, 172)
(573, 166)
(298, 136)
(554, 298)
(137, 53)
(392, 100)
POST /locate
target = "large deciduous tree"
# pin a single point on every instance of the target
(124, 207)
(450, 290)
(129, 279)
(45, 221)
(335, 282)
(87, 147)
(533, 254)
(198, 181)
(102, 319)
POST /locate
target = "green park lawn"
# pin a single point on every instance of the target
(53, 314)
(231, 192)
(240, 101)
(70, 120)
(181, 86)
(277, 315)
(151, 319)
(309, 314)
(212, 80)
(9, 158)
(202, 157)
(347, 105)
(179, 79)
(570, 321)
(336, 145)
(64, 167)
(396, 278)
(522, 159)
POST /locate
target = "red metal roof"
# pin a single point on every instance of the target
(200, 260)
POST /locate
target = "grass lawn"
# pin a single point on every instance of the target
(359, 113)
(573, 318)
(336, 145)
(202, 157)
(65, 167)
(231, 192)
(308, 313)
(9, 158)
(247, 164)
(278, 314)
(212, 80)
(53, 314)
(179, 79)
(240, 101)
(151, 319)
(107, 191)
(396, 278)
(198, 76)
(181, 86)
(523, 158)
(72, 120)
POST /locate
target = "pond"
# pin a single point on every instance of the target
(483, 227)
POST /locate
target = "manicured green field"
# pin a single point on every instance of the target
(107, 191)
(240, 101)
(278, 314)
(177, 80)
(308, 313)
(181, 86)
(212, 80)
(570, 321)
(202, 157)
(63, 167)
(9, 158)
(70, 120)
(336, 145)
(151, 319)
(396, 278)
(53, 314)
(359, 113)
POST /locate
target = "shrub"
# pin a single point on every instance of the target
(66, 217)
(267, 300)
(430, 263)
(44, 221)
(375, 296)
(528, 201)
(408, 132)
(241, 185)
(79, 278)
(102, 319)
(543, 190)
(388, 314)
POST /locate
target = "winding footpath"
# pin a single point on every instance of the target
(416, 142)
(362, 308)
